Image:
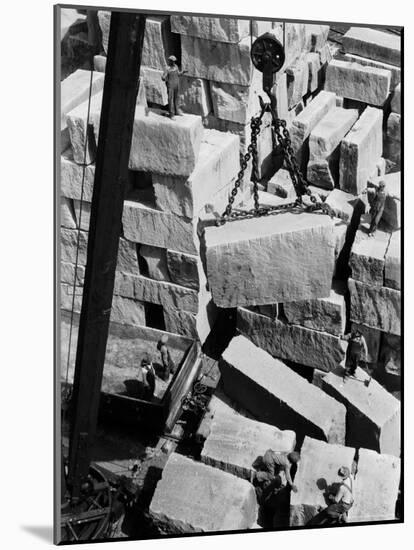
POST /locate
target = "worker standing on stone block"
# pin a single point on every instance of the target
(171, 77)
(166, 359)
(357, 351)
(377, 207)
(342, 501)
(146, 377)
(270, 468)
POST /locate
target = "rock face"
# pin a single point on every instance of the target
(127, 311)
(317, 470)
(221, 62)
(378, 474)
(185, 269)
(373, 414)
(375, 307)
(155, 88)
(394, 70)
(71, 175)
(366, 84)
(235, 442)
(156, 260)
(74, 90)
(275, 394)
(67, 218)
(360, 151)
(211, 28)
(374, 44)
(367, 260)
(396, 100)
(328, 133)
(193, 497)
(297, 81)
(324, 314)
(243, 259)
(392, 270)
(194, 96)
(302, 345)
(373, 339)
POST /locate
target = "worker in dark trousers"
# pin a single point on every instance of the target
(357, 352)
(377, 207)
(342, 501)
(168, 365)
(146, 377)
(171, 77)
(272, 465)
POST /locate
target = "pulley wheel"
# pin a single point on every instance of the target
(267, 47)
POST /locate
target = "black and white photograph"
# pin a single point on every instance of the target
(228, 309)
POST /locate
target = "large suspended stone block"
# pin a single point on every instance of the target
(367, 259)
(317, 469)
(373, 418)
(194, 497)
(378, 475)
(217, 61)
(235, 442)
(360, 150)
(374, 44)
(218, 29)
(281, 258)
(302, 345)
(275, 394)
(362, 83)
(375, 307)
(149, 226)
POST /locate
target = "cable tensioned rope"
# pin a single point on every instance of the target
(84, 166)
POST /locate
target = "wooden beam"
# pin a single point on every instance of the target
(126, 38)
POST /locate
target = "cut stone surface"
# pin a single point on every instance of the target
(323, 172)
(378, 474)
(319, 462)
(281, 185)
(374, 44)
(324, 314)
(82, 214)
(217, 61)
(392, 273)
(362, 83)
(67, 218)
(294, 38)
(328, 133)
(184, 269)
(301, 345)
(148, 226)
(194, 96)
(275, 394)
(218, 29)
(155, 88)
(192, 325)
(390, 354)
(243, 256)
(235, 442)
(75, 89)
(313, 60)
(367, 259)
(127, 257)
(156, 260)
(373, 340)
(373, 415)
(375, 307)
(68, 245)
(71, 175)
(395, 71)
(297, 81)
(194, 497)
(360, 150)
(67, 303)
(127, 311)
(67, 273)
(343, 203)
(317, 36)
(217, 165)
(77, 122)
(396, 100)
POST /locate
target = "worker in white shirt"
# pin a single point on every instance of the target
(343, 500)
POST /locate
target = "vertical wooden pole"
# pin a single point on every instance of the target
(126, 38)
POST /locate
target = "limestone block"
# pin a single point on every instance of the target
(295, 40)
(373, 340)
(325, 54)
(281, 185)
(217, 61)
(392, 210)
(155, 88)
(314, 66)
(395, 71)
(242, 258)
(330, 130)
(217, 165)
(156, 260)
(75, 89)
(394, 126)
(194, 96)
(77, 122)
(317, 36)
(362, 83)
(68, 272)
(275, 394)
(367, 259)
(192, 325)
(396, 100)
(373, 414)
(127, 257)
(306, 121)
(67, 301)
(71, 176)
(323, 172)
(297, 81)
(301, 345)
(319, 462)
(378, 474)
(270, 310)
(390, 354)
(235, 442)
(184, 269)
(127, 311)
(163, 293)
(194, 497)
(392, 271)
(67, 218)
(360, 150)
(68, 245)
(82, 214)
(375, 307)
(148, 226)
(218, 29)
(374, 44)
(237, 103)
(325, 314)
(343, 204)
(165, 146)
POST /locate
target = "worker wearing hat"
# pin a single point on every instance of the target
(343, 500)
(166, 359)
(356, 352)
(171, 78)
